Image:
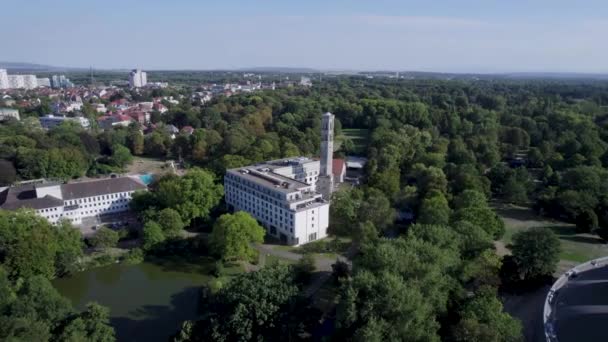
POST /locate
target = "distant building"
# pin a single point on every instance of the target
(30, 81)
(110, 121)
(305, 81)
(60, 81)
(4, 79)
(7, 113)
(51, 121)
(43, 82)
(16, 81)
(137, 78)
(72, 201)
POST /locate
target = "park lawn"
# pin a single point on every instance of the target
(575, 247)
(273, 259)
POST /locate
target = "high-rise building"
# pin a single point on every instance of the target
(60, 81)
(137, 78)
(30, 81)
(289, 197)
(325, 184)
(16, 81)
(4, 79)
(43, 82)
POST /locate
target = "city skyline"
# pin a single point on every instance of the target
(474, 37)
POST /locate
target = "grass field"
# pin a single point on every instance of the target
(576, 248)
(359, 137)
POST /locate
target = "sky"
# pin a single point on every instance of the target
(482, 36)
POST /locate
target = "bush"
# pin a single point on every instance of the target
(218, 269)
(340, 270)
(104, 238)
(135, 256)
(304, 269)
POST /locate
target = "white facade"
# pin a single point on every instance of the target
(74, 210)
(50, 121)
(137, 78)
(290, 210)
(73, 201)
(43, 82)
(16, 81)
(30, 81)
(7, 113)
(4, 79)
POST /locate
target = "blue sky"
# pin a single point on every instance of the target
(432, 35)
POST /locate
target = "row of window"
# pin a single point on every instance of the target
(99, 198)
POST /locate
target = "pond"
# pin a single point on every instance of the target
(148, 301)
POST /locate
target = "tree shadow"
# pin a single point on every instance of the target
(584, 239)
(517, 213)
(563, 230)
(158, 322)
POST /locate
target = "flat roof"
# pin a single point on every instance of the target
(285, 162)
(269, 179)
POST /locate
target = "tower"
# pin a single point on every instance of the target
(325, 183)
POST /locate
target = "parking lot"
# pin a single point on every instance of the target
(90, 224)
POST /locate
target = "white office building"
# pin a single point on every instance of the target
(51, 121)
(137, 78)
(9, 113)
(4, 79)
(72, 201)
(286, 196)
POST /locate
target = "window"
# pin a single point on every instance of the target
(312, 237)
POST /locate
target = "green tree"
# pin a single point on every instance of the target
(483, 319)
(121, 156)
(104, 238)
(69, 249)
(170, 221)
(383, 307)
(153, 235)
(434, 209)
(253, 306)
(536, 252)
(192, 195)
(233, 234)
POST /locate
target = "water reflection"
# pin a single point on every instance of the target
(148, 301)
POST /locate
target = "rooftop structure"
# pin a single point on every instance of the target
(72, 201)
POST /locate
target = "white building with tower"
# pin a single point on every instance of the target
(289, 197)
(137, 78)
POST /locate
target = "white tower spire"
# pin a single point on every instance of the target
(325, 183)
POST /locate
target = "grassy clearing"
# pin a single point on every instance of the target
(146, 165)
(359, 137)
(576, 248)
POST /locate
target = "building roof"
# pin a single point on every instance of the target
(268, 179)
(24, 196)
(100, 187)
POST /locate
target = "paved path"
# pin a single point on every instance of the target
(322, 264)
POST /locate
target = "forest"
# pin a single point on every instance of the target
(443, 150)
